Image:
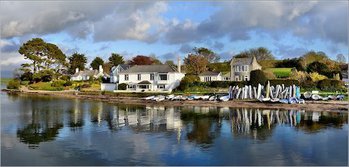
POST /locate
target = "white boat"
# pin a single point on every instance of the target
(170, 97)
(205, 97)
(315, 97)
(212, 98)
(149, 98)
(340, 97)
(301, 101)
(224, 98)
(332, 97)
(292, 100)
(259, 90)
(307, 95)
(274, 100)
(266, 99)
(285, 101)
(325, 98)
(267, 92)
(160, 98)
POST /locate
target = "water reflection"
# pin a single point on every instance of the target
(201, 125)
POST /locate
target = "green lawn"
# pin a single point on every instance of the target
(4, 80)
(280, 72)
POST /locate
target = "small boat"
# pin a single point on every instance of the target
(160, 98)
(274, 100)
(212, 98)
(332, 97)
(266, 99)
(301, 101)
(170, 97)
(307, 95)
(224, 98)
(340, 97)
(292, 100)
(285, 101)
(149, 98)
(325, 98)
(315, 97)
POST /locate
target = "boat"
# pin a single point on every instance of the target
(285, 101)
(292, 100)
(266, 99)
(307, 95)
(205, 97)
(267, 90)
(315, 97)
(325, 98)
(274, 100)
(212, 98)
(170, 97)
(332, 97)
(301, 101)
(340, 97)
(160, 98)
(224, 98)
(259, 90)
(149, 98)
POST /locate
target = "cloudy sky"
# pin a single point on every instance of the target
(166, 29)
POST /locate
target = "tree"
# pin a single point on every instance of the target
(96, 63)
(260, 53)
(207, 53)
(318, 67)
(77, 61)
(116, 59)
(41, 54)
(290, 63)
(155, 59)
(142, 60)
(170, 62)
(257, 77)
(195, 64)
(341, 58)
(313, 56)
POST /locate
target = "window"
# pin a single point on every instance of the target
(246, 67)
(236, 78)
(161, 86)
(163, 77)
(246, 78)
(243, 68)
(126, 77)
(239, 69)
(206, 79)
(139, 77)
(152, 77)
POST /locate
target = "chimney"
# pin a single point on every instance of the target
(100, 69)
(179, 64)
(76, 70)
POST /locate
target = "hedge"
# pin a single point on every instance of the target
(13, 84)
(331, 85)
(286, 82)
(122, 86)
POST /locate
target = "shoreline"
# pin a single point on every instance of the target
(341, 106)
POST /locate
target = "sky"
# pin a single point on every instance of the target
(168, 29)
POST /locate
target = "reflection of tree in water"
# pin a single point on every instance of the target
(45, 125)
(206, 124)
(322, 121)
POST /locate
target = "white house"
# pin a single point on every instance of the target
(242, 67)
(151, 78)
(210, 76)
(87, 74)
(114, 72)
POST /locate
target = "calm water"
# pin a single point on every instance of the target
(55, 131)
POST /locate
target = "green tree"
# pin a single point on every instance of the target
(313, 56)
(116, 59)
(260, 53)
(96, 63)
(42, 55)
(207, 53)
(257, 77)
(195, 64)
(318, 67)
(170, 62)
(77, 61)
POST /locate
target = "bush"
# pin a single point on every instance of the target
(286, 82)
(58, 83)
(27, 76)
(189, 80)
(122, 86)
(331, 85)
(315, 77)
(68, 83)
(301, 76)
(257, 77)
(43, 75)
(13, 84)
(65, 77)
(270, 74)
(291, 63)
(308, 84)
(86, 85)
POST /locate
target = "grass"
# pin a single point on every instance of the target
(5, 80)
(44, 86)
(280, 72)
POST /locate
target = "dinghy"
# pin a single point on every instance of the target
(170, 97)
(301, 101)
(259, 90)
(160, 98)
(212, 98)
(307, 95)
(268, 90)
(149, 98)
(224, 98)
(332, 97)
(285, 101)
(292, 100)
(315, 97)
(325, 98)
(205, 97)
(274, 100)
(340, 97)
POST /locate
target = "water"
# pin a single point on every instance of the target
(58, 131)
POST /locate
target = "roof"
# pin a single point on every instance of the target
(144, 83)
(125, 66)
(226, 74)
(242, 61)
(86, 73)
(150, 68)
(209, 73)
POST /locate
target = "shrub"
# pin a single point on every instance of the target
(27, 76)
(320, 68)
(86, 85)
(301, 76)
(187, 81)
(43, 75)
(68, 83)
(13, 84)
(315, 77)
(269, 74)
(257, 77)
(65, 77)
(286, 82)
(122, 86)
(291, 63)
(331, 85)
(58, 83)
(308, 84)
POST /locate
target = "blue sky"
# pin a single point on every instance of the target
(167, 29)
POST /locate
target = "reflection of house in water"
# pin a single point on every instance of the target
(76, 116)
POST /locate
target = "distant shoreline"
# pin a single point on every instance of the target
(337, 106)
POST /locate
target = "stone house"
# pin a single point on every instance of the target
(242, 67)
